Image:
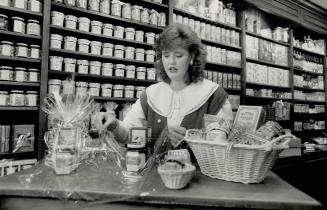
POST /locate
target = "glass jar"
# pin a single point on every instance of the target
(7, 48)
(81, 4)
(139, 55)
(21, 4)
(18, 25)
(33, 27)
(119, 70)
(106, 90)
(96, 27)
(139, 91)
(107, 69)
(94, 5)
(71, 21)
(3, 22)
(83, 45)
(6, 73)
(17, 98)
(70, 43)
(94, 89)
(150, 37)
(127, 11)
(20, 74)
(149, 55)
(136, 12)
(116, 8)
(21, 50)
(119, 32)
(34, 5)
(107, 49)
(84, 24)
(107, 29)
(130, 71)
(139, 36)
(5, 3)
(140, 73)
(96, 47)
(119, 51)
(129, 33)
(4, 98)
(56, 63)
(35, 51)
(31, 98)
(54, 86)
(70, 64)
(105, 6)
(81, 89)
(70, 2)
(118, 91)
(153, 18)
(145, 16)
(83, 66)
(95, 67)
(129, 91)
(33, 75)
(56, 41)
(57, 18)
(68, 87)
(129, 52)
(162, 19)
(151, 74)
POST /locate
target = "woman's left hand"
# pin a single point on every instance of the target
(176, 134)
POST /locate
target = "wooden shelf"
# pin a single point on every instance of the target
(266, 86)
(301, 71)
(219, 67)
(16, 35)
(308, 102)
(19, 108)
(149, 4)
(20, 59)
(308, 52)
(233, 90)
(21, 12)
(267, 63)
(268, 98)
(218, 44)
(99, 98)
(19, 84)
(267, 39)
(308, 89)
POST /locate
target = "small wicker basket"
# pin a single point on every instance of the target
(237, 162)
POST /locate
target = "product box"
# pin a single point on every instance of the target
(250, 117)
(23, 133)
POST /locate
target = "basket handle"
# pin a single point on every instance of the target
(281, 142)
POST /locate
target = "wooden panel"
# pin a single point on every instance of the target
(287, 8)
(315, 22)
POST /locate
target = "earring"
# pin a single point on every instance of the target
(191, 62)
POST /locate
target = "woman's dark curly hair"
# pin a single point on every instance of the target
(179, 35)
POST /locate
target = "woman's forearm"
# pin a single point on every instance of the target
(119, 131)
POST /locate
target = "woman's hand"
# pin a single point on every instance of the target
(105, 120)
(176, 134)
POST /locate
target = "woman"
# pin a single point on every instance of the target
(182, 98)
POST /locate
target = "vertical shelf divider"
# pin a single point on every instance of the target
(243, 58)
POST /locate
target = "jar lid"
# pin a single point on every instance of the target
(140, 68)
(17, 18)
(130, 67)
(54, 13)
(33, 21)
(3, 92)
(5, 16)
(31, 92)
(107, 65)
(94, 85)
(106, 86)
(70, 38)
(129, 87)
(140, 50)
(84, 19)
(120, 66)
(136, 7)
(35, 46)
(16, 91)
(152, 11)
(20, 69)
(82, 62)
(71, 17)
(119, 47)
(84, 41)
(95, 63)
(150, 34)
(54, 82)
(6, 67)
(81, 84)
(129, 48)
(139, 32)
(126, 4)
(56, 36)
(6, 42)
(151, 69)
(56, 58)
(33, 69)
(96, 23)
(97, 43)
(69, 60)
(108, 25)
(150, 52)
(118, 27)
(145, 9)
(140, 88)
(21, 44)
(118, 86)
(130, 30)
(108, 45)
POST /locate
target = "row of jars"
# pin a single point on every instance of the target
(94, 89)
(18, 24)
(105, 69)
(18, 98)
(210, 32)
(223, 56)
(98, 27)
(121, 9)
(19, 74)
(7, 48)
(31, 5)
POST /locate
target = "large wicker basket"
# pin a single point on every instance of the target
(237, 162)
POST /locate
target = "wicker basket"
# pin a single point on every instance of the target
(238, 162)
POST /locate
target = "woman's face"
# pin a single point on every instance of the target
(176, 63)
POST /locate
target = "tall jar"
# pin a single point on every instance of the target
(139, 54)
(119, 70)
(81, 4)
(118, 91)
(17, 98)
(106, 90)
(18, 25)
(145, 15)
(56, 41)
(127, 11)
(96, 27)
(140, 73)
(33, 27)
(129, 33)
(31, 98)
(21, 50)
(54, 86)
(116, 8)
(20, 74)
(6, 73)
(119, 31)
(139, 36)
(84, 24)
(150, 37)
(70, 64)
(94, 5)
(35, 51)
(136, 12)
(83, 45)
(149, 55)
(162, 20)
(21, 4)
(154, 16)
(70, 43)
(151, 74)
(139, 91)
(119, 51)
(107, 29)
(3, 22)
(57, 18)
(83, 66)
(56, 63)
(4, 98)
(33, 75)
(130, 71)
(94, 89)
(105, 6)
(129, 91)
(95, 67)
(34, 5)
(107, 49)
(107, 69)
(71, 21)
(81, 89)
(96, 47)
(129, 52)
(7, 48)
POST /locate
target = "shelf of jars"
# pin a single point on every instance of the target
(19, 108)
(19, 84)
(279, 41)
(311, 52)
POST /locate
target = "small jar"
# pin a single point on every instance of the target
(96, 47)
(119, 51)
(84, 24)
(94, 89)
(7, 48)
(153, 18)
(96, 27)
(107, 29)
(129, 52)
(136, 12)
(4, 98)
(35, 51)
(70, 2)
(130, 71)
(119, 32)
(149, 55)
(118, 91)
(139, 91)
(70, 43)
(34, 5)
(95, 67)
(54, 86)
(17, 98)
(21, 4)
(70, 64)
(107, 49)
(5, 3)
(68, 87)
(94, 5)
(145, 16)
(83, 45)
(105, 6)
(33, 27)
(151, 74)
(139, 55)
(3, 22)
(150, 37)
(71, 21)
(140, 73)
(21, 50)
(20, 74)
(33, 75)
(119, 70)
(56, 41)
(6, 73)
(106, 90)
(116, 8)
(83, 66)
(129, 33)
(107, 69)
(31, 98)
(127, 11)
(162, 19)
(18, 25)
(57, 18)
(129, 91)
(81, 89)
(56, 63)
(139, 36)
(81, 4)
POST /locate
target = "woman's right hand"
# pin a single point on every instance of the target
(105, 120)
